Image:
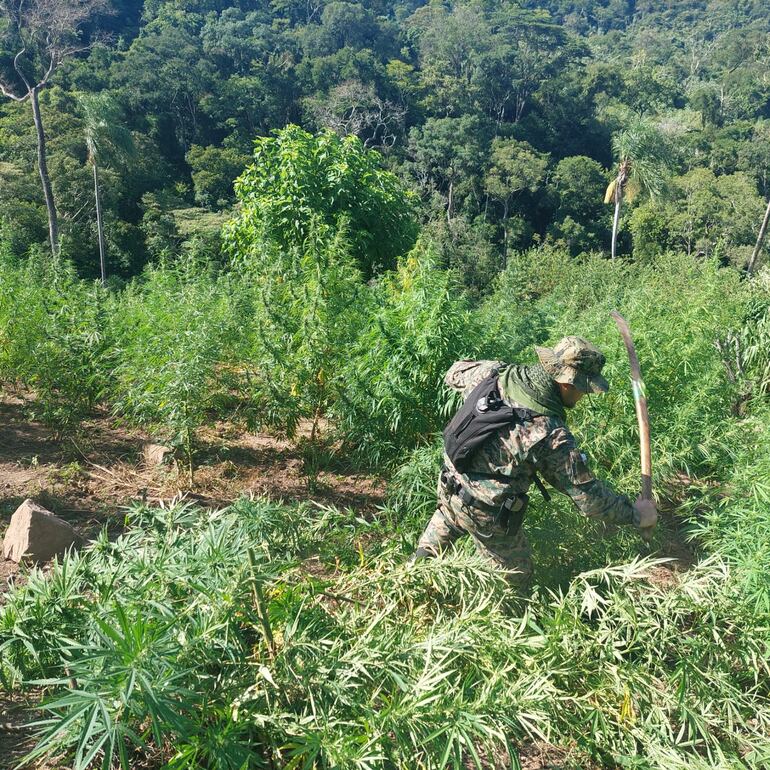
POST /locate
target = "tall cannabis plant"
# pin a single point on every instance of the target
(309, 302)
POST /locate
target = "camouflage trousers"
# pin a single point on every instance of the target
(453, 520)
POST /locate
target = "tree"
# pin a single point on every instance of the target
(693, 211)
(742, 208)
(448, 155)
(452, 46)
(43, 34)
(166, 74)
(754, 156)
(298, 181)
(213, 170)
(760, 241)
(355, 109)
(647, 88)
(343, 25)
(702, 213)
(516, 166)
(577, 183)
(527, 50)
(105, 137)
(757, 154)
(642, 160)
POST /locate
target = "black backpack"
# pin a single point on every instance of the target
(483, 414)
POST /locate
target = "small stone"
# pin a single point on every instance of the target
(37, 534)
(157, 454)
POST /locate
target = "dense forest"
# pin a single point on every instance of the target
(256, 235)
(507, 119)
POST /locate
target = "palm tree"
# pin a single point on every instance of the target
(642, 159)
(105, 139)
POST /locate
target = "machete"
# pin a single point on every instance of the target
(640, 402)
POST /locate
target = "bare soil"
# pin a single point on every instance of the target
(88, 480)
(545, 756)
(17, 710)
(674, 545)
(538, 755)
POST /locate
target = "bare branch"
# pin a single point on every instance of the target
(6, 91)
(353, 108)
(19, 70)
(49, 32)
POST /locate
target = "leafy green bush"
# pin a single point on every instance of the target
(309, 304)
(411, 494)
(297, 180)
(750, 346)
(393, 397)
(173, 334)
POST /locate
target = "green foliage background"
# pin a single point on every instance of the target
(415, 184)
(499, 117)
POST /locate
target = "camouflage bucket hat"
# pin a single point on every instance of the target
(577, 362)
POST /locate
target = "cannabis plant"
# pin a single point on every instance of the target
(172, 332)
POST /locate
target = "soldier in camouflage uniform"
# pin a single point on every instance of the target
(505, 465)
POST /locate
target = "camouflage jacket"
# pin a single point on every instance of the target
(543, 445)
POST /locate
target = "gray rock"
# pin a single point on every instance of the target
(36, 534)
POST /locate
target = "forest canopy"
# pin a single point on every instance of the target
(499, 116)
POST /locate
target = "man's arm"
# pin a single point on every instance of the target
(564, 467)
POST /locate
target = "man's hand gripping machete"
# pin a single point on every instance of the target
(640, 401)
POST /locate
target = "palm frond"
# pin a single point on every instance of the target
(104, 133)
(645, 152)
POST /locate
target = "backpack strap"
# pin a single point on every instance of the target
(520, 415)
(535, 480)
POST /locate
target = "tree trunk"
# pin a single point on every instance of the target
(505, 233)
(99, 225)
(616, 218)
(450, 203)
(760, 241)
(53, 222)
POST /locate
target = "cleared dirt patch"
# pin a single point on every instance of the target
(544, 756)
(17, 710)
(88, 480)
